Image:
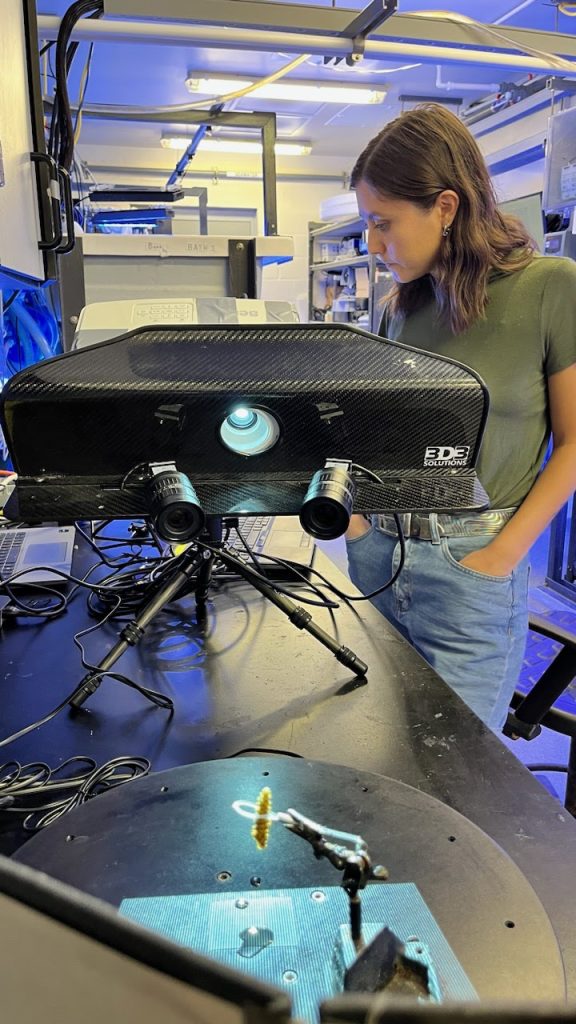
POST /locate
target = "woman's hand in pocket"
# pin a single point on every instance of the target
(487, 562)
(359, 525)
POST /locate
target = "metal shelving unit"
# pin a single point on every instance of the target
(338, 228)
(336, 231)
(344, 261)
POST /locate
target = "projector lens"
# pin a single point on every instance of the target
(242, 418)
(249, 431)
(174, 506)
(328, 503)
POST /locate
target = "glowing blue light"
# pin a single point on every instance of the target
(242, 417)
(248, 431)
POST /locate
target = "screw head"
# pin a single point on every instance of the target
(241, 904)
(379, 871)
(289, 976)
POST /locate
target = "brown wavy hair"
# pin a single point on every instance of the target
(416, 157)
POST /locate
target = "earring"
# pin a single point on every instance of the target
(446, 230)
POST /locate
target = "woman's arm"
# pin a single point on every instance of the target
(552, 489)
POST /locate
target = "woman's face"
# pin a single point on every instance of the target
(405, 236)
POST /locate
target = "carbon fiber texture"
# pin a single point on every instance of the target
(79, 425)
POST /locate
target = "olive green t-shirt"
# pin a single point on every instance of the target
(528, 334)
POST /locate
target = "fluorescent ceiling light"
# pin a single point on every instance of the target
(304, 92)
(229, 145)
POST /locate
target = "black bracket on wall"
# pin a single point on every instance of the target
(242, 273)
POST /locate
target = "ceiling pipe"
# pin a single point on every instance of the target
(174, 34)
(465, 86)
(117, 172)
(515, 10)
(474, 86)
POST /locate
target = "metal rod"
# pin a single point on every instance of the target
(570, 798)
(152, 172)
(356, 921)
(174, 34)
(511, 13)
(549, 687)
(269, 176)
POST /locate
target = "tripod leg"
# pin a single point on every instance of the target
(298, 616)
(133, 631)
(213, 535)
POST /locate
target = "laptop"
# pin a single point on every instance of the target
(279, 536)
(34, 549)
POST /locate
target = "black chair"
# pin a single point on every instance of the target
(533, 710)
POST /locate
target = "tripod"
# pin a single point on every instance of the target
(196, 563)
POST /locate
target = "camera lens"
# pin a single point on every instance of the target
(328, 503)
(174, 506)
(327, 518)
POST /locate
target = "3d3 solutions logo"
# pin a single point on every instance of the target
(445, 455)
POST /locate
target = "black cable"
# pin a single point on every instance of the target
(156, 698)
(8, 303)
(323, 603)
(365, 597)
(38, 782)
(331, 586)
(264, 750)
(61, 137)
(145, 565)
(41, 721)
(547, 767)
(132, 585)
(120, 542)
(43, 589)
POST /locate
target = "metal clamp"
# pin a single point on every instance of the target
(51, 244)
(374, 15)
(64, 179)
(353, 859)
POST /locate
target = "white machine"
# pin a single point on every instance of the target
(101, 321)
(137, 266)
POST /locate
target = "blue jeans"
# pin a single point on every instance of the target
(469, 627)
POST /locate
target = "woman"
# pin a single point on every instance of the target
(469, 285)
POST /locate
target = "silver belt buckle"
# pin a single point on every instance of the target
(422, 530)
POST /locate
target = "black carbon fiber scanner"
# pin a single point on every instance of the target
(81, 427)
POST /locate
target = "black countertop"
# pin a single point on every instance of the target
(252, 680)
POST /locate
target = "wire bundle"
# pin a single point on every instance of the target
(31, 329)
(61, 141)
(53, 794)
